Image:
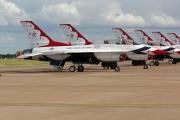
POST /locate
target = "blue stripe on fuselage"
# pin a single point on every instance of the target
(139, 51)
(169, 49)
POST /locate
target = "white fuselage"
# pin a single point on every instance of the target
(103, 52)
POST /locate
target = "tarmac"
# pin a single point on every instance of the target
(41, 93)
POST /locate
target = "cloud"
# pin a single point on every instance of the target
(10, 14)
(6, 39)
(123, 19)
(59, 13)
(164, 20)
(95, 18)
(105, 12)
(97, 13)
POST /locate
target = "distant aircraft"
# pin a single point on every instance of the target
(145, 39)
(121, 34)
(78, 38)
(174, 38)
(44, 47)
(172, 52)
(163, 39)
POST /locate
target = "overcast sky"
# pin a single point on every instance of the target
(93, 18)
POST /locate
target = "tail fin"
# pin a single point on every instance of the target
(175, 39)
(122, 35)
(162, 39)
(144, 38)
(37, 37)
(73, 36)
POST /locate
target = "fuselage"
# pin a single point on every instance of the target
(103, 52)
(129, 49)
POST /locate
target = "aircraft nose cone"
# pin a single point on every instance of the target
(159, 52)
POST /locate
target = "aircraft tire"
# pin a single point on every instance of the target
(145, 66)
(170, 62)
(80, 68)
(72, 68)
(60, 68)
(152, 63)
(106, 68)
(156, 63)
(117, 69)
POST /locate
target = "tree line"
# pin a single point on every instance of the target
(7, 56)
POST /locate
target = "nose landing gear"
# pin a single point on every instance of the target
(145, 66)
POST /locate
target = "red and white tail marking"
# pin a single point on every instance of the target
(144, 38)
(174, 38)
(122, 35)
(37, 37)
(162, 39)
(73, 36)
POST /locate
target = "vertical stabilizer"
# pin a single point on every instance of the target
(144, 38)
(37, 37)
(162, 39)
(73, 36)
(123, 36)
(174, 38)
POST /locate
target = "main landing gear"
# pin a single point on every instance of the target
(80, 68)
(172, 61)
(154, 63)
(115, 68)
(60, 68)
(140, 62)
(110, 65)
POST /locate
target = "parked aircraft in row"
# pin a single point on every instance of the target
(146, 40)
(81, 52)
(79, 39)
(163, 42)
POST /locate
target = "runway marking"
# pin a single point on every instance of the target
(131, 75)
(84, 74)
(87, 105)
(90, 86)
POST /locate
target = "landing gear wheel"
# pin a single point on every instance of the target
(72, 68)
(145, 66)
(156, 63)
(60, 68)
(170, 61)
(106, 68)
(174, 62)
(80, 68)
(117, 69)
(152, 63)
